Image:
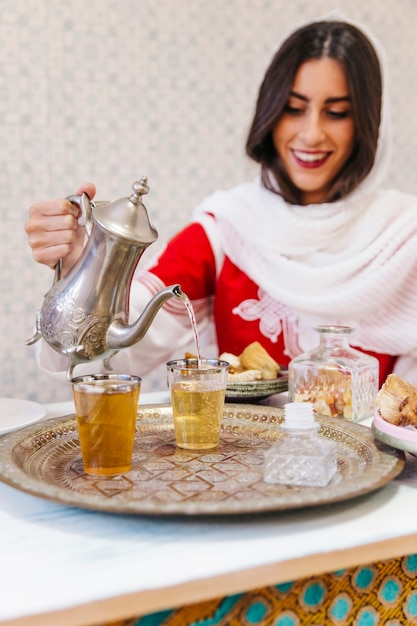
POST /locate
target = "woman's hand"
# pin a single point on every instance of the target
(53, 230)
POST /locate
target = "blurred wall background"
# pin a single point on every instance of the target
(105, 91)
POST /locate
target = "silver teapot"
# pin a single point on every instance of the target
(85, 313)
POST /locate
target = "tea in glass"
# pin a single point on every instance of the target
(106, 408)
(198, 388)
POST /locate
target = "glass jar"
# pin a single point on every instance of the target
(301, 456)
(339, 380)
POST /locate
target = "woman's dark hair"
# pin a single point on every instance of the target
(350, 47)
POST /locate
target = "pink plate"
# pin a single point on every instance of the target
(400, 437)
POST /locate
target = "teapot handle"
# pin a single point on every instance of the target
(83, 201)
(85, 219)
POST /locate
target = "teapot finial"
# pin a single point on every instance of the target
(140, 188)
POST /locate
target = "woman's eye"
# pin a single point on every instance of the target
(293, 110)
(338, 115)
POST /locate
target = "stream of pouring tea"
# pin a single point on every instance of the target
(191, 314)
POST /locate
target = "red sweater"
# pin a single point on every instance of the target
(242, 312)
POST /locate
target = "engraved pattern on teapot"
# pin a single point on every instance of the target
(77, 330)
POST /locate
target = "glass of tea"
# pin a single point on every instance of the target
(197, 388)
(106, 408)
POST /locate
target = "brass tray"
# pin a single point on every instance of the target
(45, 460)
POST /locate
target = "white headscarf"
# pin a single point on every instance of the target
(353, 261)
(384, 148)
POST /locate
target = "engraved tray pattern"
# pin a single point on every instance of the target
(45, 460)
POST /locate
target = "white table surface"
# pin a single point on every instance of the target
(63, 565)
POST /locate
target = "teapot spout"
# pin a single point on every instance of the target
(121, 335)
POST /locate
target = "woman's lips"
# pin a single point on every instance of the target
(310, 160)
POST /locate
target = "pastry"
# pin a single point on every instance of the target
(244, 376)
(254, 356)
(234, 361)
(397, 401)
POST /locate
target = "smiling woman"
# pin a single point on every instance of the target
(311, 103)
(314, 137)
(312, 241)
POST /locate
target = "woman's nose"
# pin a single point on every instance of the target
(311, 131)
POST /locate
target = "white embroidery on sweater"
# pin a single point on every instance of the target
(275, 318)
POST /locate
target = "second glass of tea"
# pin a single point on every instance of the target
(198, 388)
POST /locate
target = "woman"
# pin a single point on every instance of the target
(312, 241)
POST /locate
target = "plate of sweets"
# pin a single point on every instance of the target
(253, 375)
(395, 419)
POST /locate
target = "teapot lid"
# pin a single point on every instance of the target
(128, 217)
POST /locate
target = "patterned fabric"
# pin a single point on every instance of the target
(383, 593)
